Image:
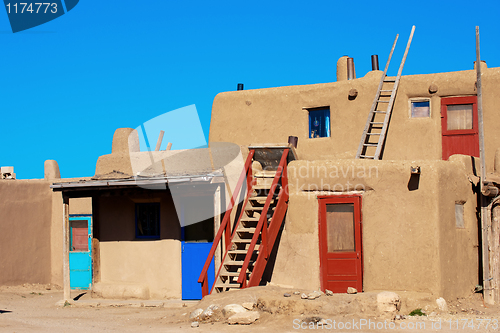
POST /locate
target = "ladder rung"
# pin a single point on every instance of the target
(382, 101)
(380, 111)
(389, 80)
(370, 144)
(367, 156)
(376, 123)
(385, 90)
(373, 133)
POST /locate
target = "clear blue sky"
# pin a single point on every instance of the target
(68, 84)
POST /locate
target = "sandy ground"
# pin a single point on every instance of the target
(32, 308)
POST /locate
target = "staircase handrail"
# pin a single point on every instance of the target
(225, 225)
(263, 218)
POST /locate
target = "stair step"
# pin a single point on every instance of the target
(262, 187)
(251, 218)
(228, 285)
(229, 274)
(237, 252)
(249, 230)
(234, 263)
(265, 174)
(261, 198)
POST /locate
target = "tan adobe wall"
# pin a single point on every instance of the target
(271, 115)
(410, 241)
(25, 230)
(155, 264)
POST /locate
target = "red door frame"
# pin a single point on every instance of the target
(323, 246)
(470, 136)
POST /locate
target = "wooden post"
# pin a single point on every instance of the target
(217, 214)
(66, 279)
(485, 225)
(495, 253)
(160, 139)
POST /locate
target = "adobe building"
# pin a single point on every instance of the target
(312, 216)
(408, 222)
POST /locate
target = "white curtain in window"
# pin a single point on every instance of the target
(459, 117)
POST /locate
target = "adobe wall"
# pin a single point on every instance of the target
(410, 241)
(25, 231)
(155, 264)
(271, 115)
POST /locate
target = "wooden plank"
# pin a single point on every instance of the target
(160, 139)
(485, 228)
(96, 261)
(495, 254)
(65, 224)
(217, 215)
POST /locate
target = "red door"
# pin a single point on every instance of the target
(340, 243)
(459, 126)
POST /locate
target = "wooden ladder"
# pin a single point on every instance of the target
(375, 132)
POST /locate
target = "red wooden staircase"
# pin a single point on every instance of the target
(249, 239)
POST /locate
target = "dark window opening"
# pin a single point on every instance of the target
(319, 123)
(147, 220)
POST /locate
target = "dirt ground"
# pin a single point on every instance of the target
(32, 308)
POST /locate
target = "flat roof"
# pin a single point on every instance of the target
(138, 181)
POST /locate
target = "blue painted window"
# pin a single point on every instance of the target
(147, 220)
(319, 123)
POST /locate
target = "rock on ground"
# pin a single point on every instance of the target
(243, 318)
(196, 314)
(352, 290)
(388, 301)
(232, 309)
(248, 305)
(441, 303)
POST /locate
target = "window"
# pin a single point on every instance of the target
(420, 108)
(459, 117)
(147, 220)
(79, 236)
(459, 215)
(319, 123)
(340, 227)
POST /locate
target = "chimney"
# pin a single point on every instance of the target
(345, 69)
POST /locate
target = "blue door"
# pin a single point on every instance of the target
(194, 255)
(80, 252)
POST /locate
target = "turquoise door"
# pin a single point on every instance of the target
(80, 252)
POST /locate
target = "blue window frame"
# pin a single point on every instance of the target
(319, 123)
(147, 220)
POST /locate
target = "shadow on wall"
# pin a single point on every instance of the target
(140, 218)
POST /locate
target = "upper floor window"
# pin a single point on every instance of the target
(420, 108)
(319, 123)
